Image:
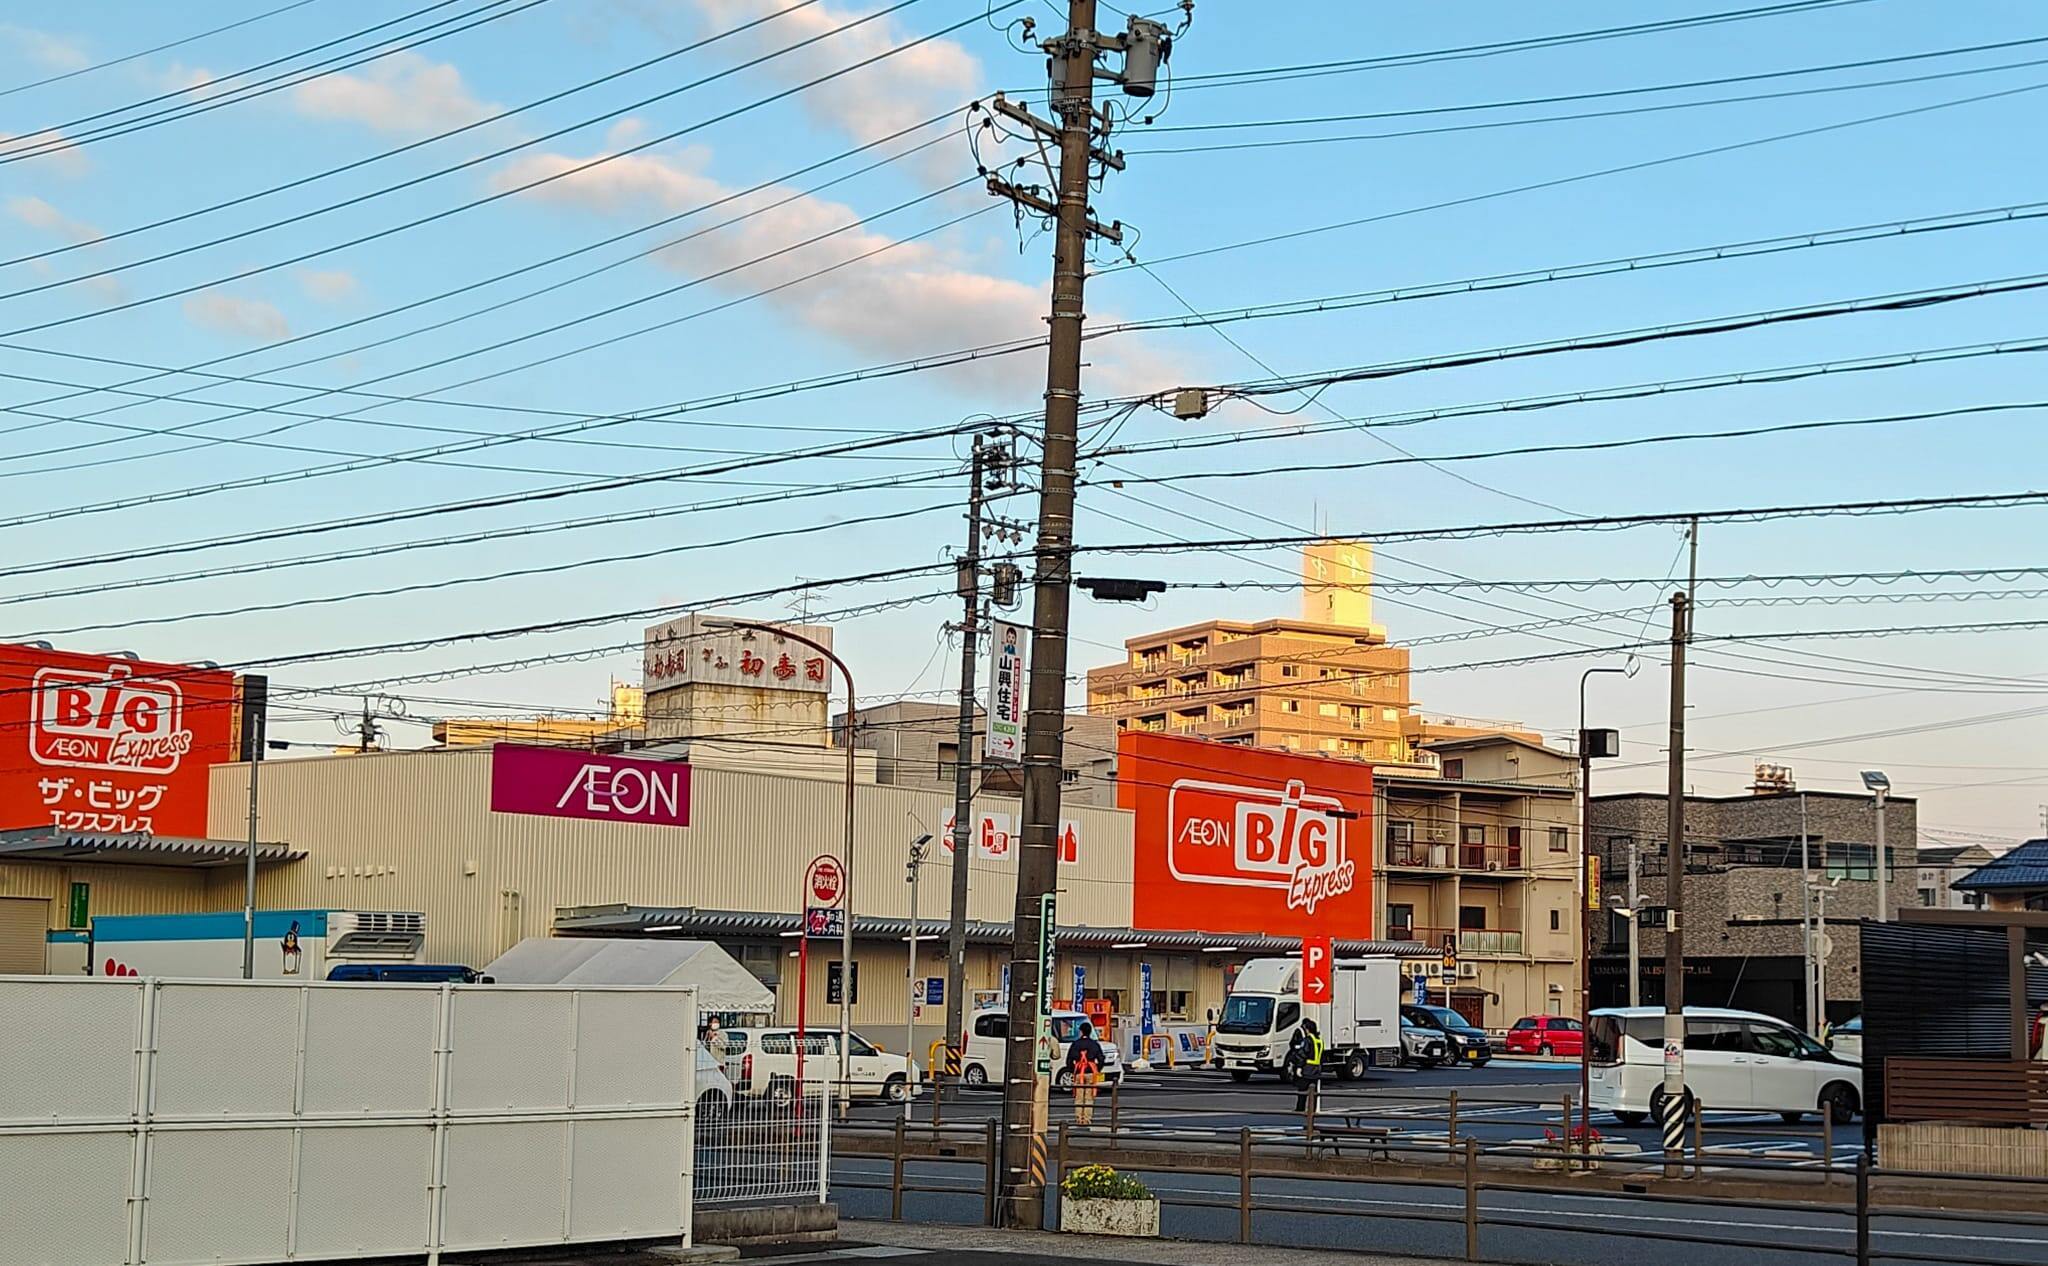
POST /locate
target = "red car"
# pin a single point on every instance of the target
(1546, 1035)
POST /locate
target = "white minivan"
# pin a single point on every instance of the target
(763, 1062)
(1735, 1060)
(988, 1033)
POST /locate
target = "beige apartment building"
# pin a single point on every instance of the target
(1334, 690)
(1485, 857)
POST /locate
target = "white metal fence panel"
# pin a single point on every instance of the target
(69, 1056)
(510, 1050)
(765, 1150)
(64, 1196)
(371, 1051)
(153, 1122)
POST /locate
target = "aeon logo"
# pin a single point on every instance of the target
(628, 791)
(1257, 837)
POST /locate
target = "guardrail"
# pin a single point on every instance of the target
(1259, 1159)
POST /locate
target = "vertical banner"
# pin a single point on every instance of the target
(1080, 985)
(1145, 999)
(1315, 969)
(1005, 704)
(1047, 1048)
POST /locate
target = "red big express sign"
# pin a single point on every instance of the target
(95, 745)
(1238, 841)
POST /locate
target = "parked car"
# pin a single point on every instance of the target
(1422, 1047)
(1466, 1041)
(1733, 1059)
(1545, 1035)
(714, 1088)
(987, 1036)
(408, 973)
(763, 1062)
(1846, 1039)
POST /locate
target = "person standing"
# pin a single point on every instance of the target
(1305, 1059)
(1084, 1069)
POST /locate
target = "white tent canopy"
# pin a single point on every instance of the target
(722, 984)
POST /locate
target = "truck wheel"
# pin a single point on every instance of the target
(1240, 1075)
(976, 1075)
(1353, 1068)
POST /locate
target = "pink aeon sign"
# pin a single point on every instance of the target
(553, 783)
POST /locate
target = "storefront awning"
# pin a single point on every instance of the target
(41, 844)
(627, 920)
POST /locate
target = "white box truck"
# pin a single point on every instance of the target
(1265, 1008)
(290, 944)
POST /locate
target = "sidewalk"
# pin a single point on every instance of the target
(979, 1246)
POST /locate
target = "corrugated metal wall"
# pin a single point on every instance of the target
(413, 831)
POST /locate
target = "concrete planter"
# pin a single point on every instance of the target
(1110, 1217)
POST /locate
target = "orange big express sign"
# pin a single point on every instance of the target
(1232, 840)
(99, 745)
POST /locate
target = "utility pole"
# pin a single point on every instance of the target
(1806, 922)
(1635, 930)
(1072, 61)
(1676, 1107)
(963, 770)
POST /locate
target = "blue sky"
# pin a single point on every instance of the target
(926, 289)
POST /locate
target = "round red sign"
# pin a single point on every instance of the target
(825, 881)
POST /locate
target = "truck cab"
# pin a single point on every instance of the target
(1264, 1011)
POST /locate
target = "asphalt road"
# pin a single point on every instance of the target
(1506, 1103)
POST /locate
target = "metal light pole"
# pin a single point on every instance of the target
(917, 847)
(846, 891)
(1880, 787)
(1806, 923)
(1635, 929)
(256, 747)
(1609, 743)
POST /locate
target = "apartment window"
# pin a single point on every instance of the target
(1454, 767)
(1328, 745)
(1927, 897)
(1471, 918)
(1326, 709)
(1400, 830)
(1390, 714)
(1290, 742)
(1560, 840)
(1290, 670)
(1401, 921)
(949, 756)
(1514, 848)
(1556, 921)
(1290, 705)
(1472, 847)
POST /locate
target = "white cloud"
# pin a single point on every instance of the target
(53, 51)
(911, 298)
(403, 93)
(178, 77)
(51, 149)
(231, 314)
(38, 214)
(328, 285)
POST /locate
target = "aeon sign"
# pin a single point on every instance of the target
(551, 782)
(1227, 833)
(92, 720)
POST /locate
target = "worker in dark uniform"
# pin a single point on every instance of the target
(1084, 1069)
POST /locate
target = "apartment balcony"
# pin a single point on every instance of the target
(1472, 942)
(1440, 851)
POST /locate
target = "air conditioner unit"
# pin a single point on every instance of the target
(1468, 971)
(1493, 865)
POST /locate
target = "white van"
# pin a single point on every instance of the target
(1735, 1060)
(763, 1062)
(987, 1036)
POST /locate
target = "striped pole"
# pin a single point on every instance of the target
(1673, 1112)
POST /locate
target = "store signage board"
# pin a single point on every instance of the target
(551, 782)
(1005, 702)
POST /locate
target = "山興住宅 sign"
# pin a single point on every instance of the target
(1005, 705)
(552, 782)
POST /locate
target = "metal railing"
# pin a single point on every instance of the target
(774, 1149)
(1334, 1143)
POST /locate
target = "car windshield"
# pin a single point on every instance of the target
(1452, 1020)
(1246, 1014)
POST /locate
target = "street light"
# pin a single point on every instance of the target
(846, 882)
(917, 850)
(1879, 787)
(1591, 743)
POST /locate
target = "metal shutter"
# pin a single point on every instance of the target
(23, 922)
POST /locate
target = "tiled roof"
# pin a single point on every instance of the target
(2023, 867)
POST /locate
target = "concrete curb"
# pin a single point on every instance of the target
(1093, 1248)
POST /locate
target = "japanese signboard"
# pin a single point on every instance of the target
(994, 835)
(1145, 1013)
(824, 923)
(1315, 969)
(1047, 911)
(696, 650)
(109, 745)
(1005, 705)
(824, 881)
(1234, 840)
(1080, 984)
(553, 782)
(835, 985)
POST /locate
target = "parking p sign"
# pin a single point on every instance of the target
(1315, 969)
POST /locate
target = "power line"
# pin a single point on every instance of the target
(259, 88)
(499, 194)
(381, 155)
(160, 48)
(1558, 181)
